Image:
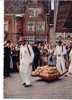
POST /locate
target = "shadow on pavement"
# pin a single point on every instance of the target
(49, 81)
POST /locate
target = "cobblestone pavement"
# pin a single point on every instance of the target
(59, 89)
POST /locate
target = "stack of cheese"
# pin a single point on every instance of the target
(46, 72)
(37, 71)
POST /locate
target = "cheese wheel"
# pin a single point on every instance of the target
(52, 71)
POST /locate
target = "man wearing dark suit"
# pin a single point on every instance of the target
(7, 52)
(36, 56)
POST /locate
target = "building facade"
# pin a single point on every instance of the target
(28, 19)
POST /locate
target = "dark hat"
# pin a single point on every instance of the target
(59, 42)
(8, 41)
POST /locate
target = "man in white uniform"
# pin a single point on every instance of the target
(26, 59)
(70, 66)
(59, 52)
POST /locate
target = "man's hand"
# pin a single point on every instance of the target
(30, 64)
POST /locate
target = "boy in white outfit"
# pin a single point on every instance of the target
(59, 52)
(26, 59)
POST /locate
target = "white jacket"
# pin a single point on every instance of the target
(70, 55)
(59, 51)
(24, 54)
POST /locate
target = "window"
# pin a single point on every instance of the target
(6, 26)
(40, 26)
(34, 12)
(30, 26)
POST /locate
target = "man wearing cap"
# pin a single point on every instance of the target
(26, 59)
(60, 52)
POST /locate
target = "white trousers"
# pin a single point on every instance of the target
(60, 64)
(70, 67)
(25, 73)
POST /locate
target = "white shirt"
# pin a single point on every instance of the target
(24, 54)
(59, 50)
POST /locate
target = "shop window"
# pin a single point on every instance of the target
(6, 26)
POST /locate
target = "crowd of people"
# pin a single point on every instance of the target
(11, 58)
(24, 58)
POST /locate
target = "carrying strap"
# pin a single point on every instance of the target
(29, 50)
(62, 48)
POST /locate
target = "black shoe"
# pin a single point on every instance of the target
(66, 75)
(7, 75)
(24, 84)
(28, 85)
(70, 73)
